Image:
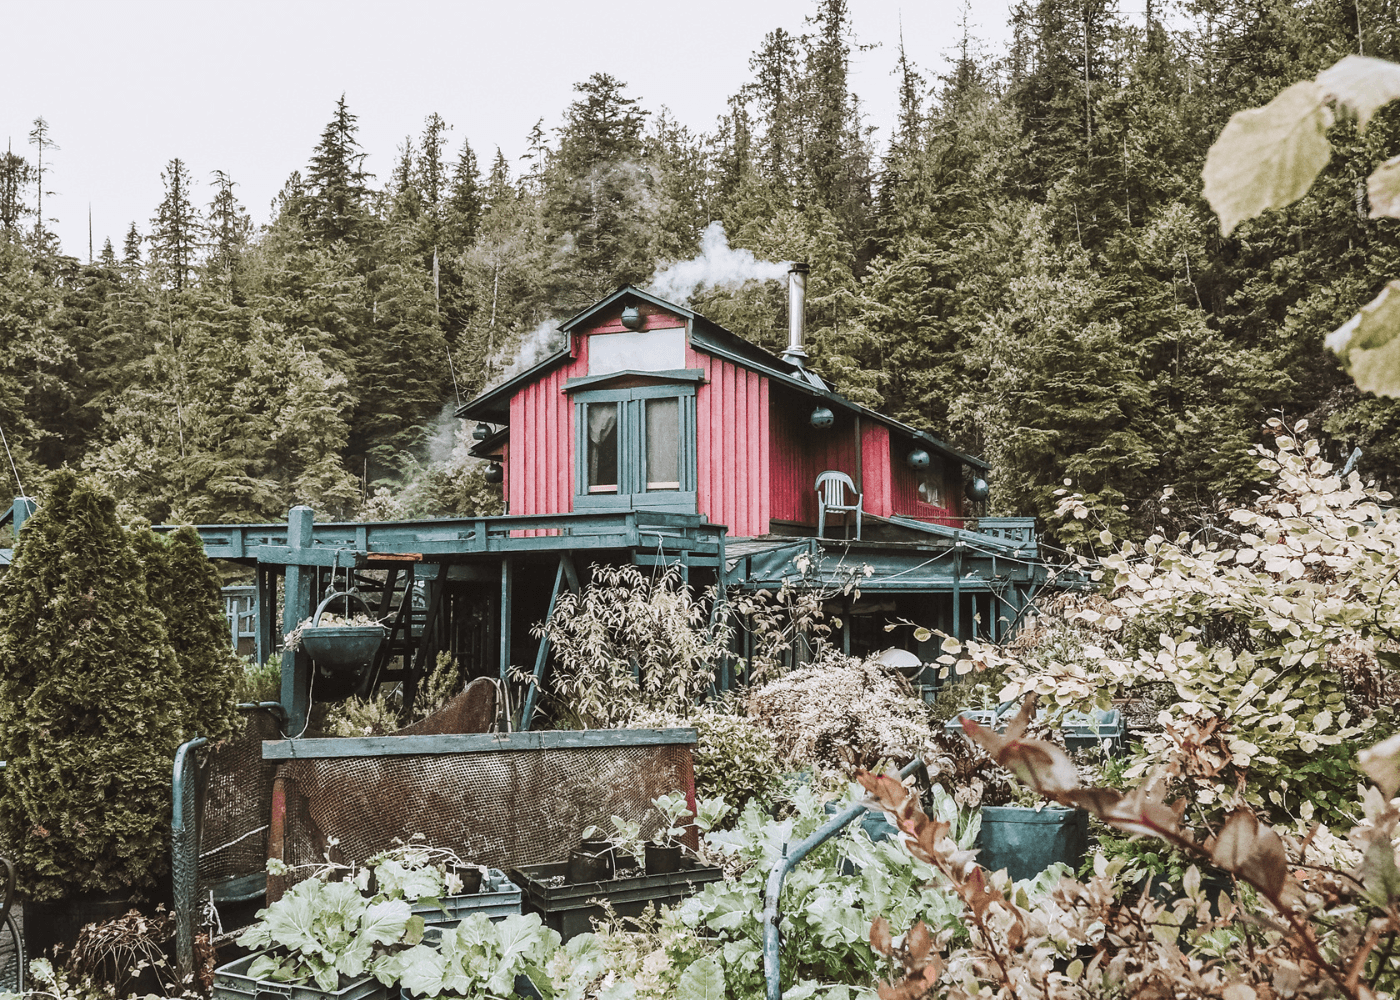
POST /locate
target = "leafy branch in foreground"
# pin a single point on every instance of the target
(1269, 157)
(1326, 931)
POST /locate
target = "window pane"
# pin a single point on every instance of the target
(929, 489)
(663, 444)
(602, 447)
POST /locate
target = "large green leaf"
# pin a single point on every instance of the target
(1268, 157)
(1383, 189)
(1368, 344)
(1362, 85)
(384, 923)
(704, 980)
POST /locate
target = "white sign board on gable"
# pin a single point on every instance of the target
(643, 351)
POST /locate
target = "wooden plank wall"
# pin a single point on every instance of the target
(905, 489)
(732, 445)
(542, 441)
(800, 453)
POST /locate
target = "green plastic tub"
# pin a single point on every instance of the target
(1027, 841)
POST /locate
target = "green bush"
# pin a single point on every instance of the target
(735, 758)
(109, 659)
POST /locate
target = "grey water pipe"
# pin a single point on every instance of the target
(779, 873)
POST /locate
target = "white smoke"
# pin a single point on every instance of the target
(719, 265)
(532, 348)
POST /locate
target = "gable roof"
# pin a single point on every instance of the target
(711, 338)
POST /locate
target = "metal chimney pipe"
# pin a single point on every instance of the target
(797, 314)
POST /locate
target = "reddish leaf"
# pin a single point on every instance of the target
(1252, 851)
(1017, 726)
(880, 936)
(918, 942)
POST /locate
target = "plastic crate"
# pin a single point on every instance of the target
(982, 716)
(1089, 729)
(232, 982)
(499, 897)
(570, 908)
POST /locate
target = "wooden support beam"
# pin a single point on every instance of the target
(296, 664)
(542, 657)
(427, 645)
(507, 585)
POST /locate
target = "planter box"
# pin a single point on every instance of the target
(1089, 729)
(570, 909)
(1027, 841)
(499, 898)
(232, 982)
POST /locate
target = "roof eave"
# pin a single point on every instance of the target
(488, 405)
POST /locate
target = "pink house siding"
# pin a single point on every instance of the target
(542, 435)
(732, 445)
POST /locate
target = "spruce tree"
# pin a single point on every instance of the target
(15, 177)
(177, 228)
(89, 710)
(336, 179)
(229, 229)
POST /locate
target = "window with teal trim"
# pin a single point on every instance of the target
(636, 449)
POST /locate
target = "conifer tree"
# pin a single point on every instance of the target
(15, 177)
(41, 140)
(176, 229)
(229, 228)
(464, 200)
(89, 715)
(185, 586)
(336, 179)
(432, 166)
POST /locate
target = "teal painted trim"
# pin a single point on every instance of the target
(667, 375)
(402, 746)
(631, 443)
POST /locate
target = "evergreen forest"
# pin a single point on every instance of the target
(1026, 268)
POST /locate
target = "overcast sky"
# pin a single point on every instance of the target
(246, 87)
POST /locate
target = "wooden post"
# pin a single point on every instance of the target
(296, 665)
(507, 582)
(957, 591)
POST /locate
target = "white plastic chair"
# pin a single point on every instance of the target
(831, 496)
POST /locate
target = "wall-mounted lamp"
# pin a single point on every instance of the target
(978, 489)
(495, 474)
(481, 432)
(632, 318)
(918, 459)
(822, 418)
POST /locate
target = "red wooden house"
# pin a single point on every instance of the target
(649, 406)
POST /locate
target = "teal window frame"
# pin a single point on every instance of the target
(632, 493)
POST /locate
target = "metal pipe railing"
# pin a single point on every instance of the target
(771, 915)
(184, 848)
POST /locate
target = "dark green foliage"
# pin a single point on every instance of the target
(735, 758)
(1025, 269)
(90, 713)
(184, 585)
